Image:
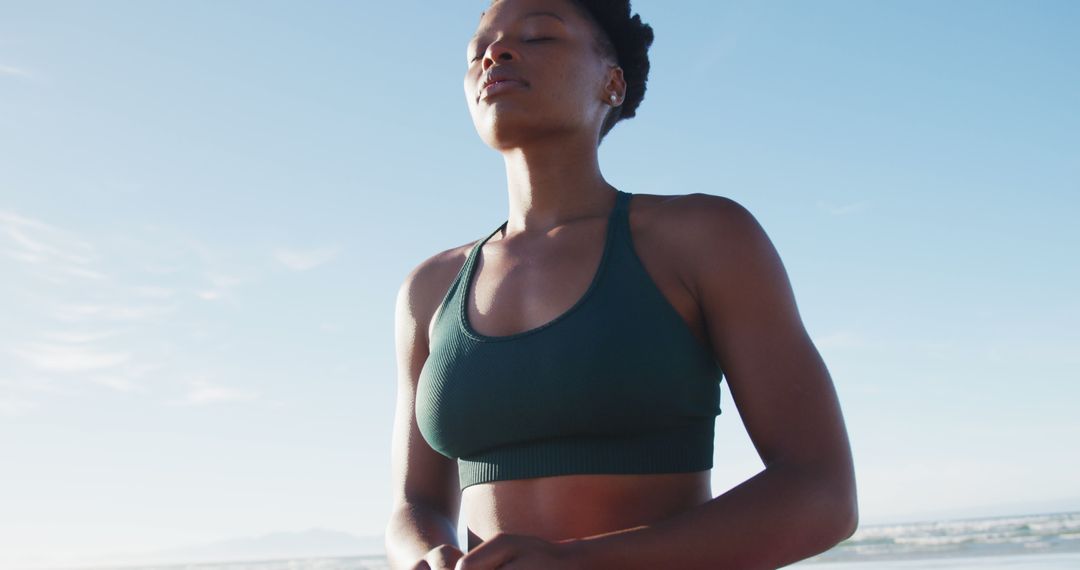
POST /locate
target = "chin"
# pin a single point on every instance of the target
(504, 130)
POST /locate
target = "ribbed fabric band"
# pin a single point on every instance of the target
(678, 450)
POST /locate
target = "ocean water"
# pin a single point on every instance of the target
(1065, 561)
(376, 562)
(1030, 541)
(1034, 542)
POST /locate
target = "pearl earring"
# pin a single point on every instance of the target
(613, 98)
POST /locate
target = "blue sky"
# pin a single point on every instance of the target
(206, 210)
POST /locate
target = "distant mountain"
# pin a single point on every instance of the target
(312, 543)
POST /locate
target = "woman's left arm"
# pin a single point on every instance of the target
(804, 501)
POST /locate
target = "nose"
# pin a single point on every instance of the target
(498, 50)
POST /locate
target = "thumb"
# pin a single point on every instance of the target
(486, 559)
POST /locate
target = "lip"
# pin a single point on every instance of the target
(497, 80)
(500, 86)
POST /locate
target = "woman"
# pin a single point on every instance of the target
(559, 378)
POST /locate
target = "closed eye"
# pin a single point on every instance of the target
(528, 41)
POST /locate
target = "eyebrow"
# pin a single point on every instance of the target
(530, 14)
(552, 14)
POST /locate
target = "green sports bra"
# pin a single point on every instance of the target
(618, 384)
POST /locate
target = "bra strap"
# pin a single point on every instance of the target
(622, 212)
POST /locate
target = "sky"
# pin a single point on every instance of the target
(207, 208)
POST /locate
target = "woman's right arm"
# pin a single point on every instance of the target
(422, 530)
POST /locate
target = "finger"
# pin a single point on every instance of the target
(501, 549)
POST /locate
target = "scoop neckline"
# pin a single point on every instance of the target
(463, 317)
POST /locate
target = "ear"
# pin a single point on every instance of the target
(615, 84)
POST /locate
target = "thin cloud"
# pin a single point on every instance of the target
(52, 253)
(155, 292)
(223, 273)
(12, 70)
(67, 345)
(66, 358)
(158, 269)
(79, 337)
(222, 284)
(117, 383)
(39, 384)
(202, 392)
(71, 313)
(35, 235)
(84, 273)
(303, 260)
(126, 377)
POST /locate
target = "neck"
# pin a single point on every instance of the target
(551, 183)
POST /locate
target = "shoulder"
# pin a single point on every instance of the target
(719, 243)
(700, 227)
(700, 215)
(424, 287)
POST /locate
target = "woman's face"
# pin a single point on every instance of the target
(559, 84)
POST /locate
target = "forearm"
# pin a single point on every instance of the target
(413, 531)
(773, 519)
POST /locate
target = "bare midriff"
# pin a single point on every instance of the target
(576, 506)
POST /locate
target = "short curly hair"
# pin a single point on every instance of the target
(626, 39)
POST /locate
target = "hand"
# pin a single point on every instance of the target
(520, 552)
(442, 557)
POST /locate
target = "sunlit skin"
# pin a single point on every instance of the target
(711, 260)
